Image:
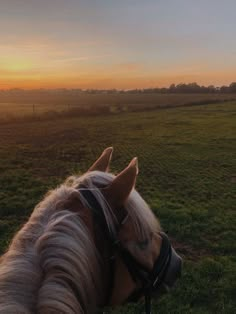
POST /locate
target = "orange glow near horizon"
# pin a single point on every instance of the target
(50, 69)
(17, 76)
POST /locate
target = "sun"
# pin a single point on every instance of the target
(17, 65)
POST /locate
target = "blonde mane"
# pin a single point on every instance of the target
(52, 264)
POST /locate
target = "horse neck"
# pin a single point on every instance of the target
(51, 266)
(20, 272)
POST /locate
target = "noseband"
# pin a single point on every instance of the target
(165, 267)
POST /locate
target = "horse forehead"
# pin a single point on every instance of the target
(129, 232)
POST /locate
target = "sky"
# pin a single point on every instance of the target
(116, 43)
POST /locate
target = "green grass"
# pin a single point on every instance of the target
(187, 174)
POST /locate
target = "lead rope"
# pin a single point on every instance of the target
(148, 303)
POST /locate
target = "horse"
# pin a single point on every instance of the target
(91, 242)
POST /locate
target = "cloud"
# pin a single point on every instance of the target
(130, 66)
(82, 58)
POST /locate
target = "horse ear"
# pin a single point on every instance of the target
(118, 191)
(102, 163)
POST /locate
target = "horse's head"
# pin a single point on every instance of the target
(91, 242)
(138, 259)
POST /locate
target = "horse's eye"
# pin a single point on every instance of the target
(142, 245)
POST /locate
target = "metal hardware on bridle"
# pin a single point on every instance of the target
(166, 268)
(153, 280)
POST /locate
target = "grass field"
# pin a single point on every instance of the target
(52, 105)
(187, 162)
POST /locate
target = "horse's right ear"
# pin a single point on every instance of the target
(102, 163)
(118, 191)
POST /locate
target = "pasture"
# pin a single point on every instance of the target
(187, 175)
(26, 107)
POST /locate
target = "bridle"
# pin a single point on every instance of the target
(150, 281)
(166, 269)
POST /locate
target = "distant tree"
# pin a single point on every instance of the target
(224, 89)
(172, 88)
(211, 88)
(181, 88)
(193, 88)
(232, 87)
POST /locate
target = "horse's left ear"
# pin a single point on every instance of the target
(118, 191)
(102, 163)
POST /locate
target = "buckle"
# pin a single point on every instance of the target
(155, 282)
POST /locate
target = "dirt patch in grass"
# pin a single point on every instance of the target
(186, 251)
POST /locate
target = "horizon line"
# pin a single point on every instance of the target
(117, 89)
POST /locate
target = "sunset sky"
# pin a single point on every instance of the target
(116, 43)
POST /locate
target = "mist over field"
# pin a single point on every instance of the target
(24, 105)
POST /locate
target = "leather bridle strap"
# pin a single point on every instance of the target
(98, 216)
(154, 278)
(150, 281)
(97, 210)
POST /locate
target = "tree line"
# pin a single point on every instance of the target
(181, 88)
(189, 88)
